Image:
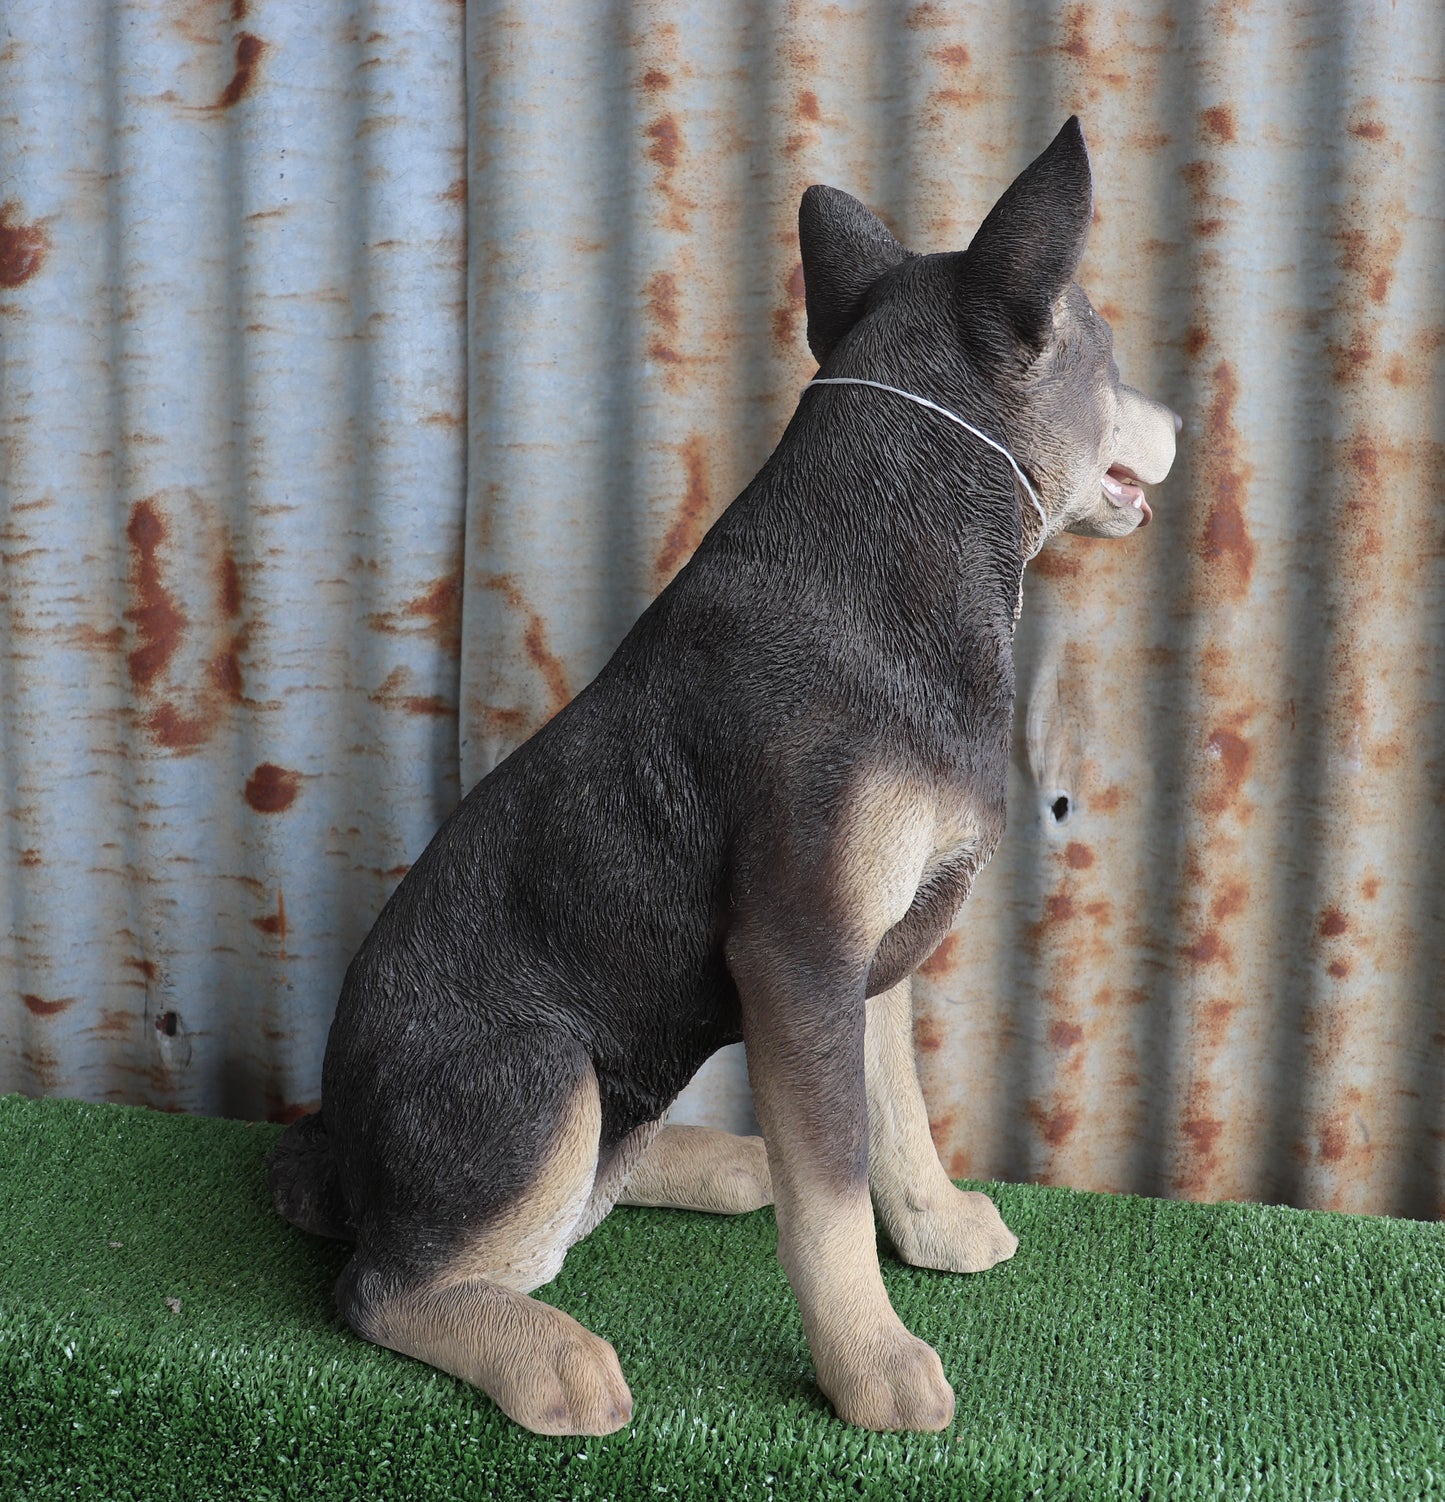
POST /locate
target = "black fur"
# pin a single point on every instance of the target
(850, 611)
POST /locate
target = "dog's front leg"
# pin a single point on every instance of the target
(930, 1221)
(804, 1031)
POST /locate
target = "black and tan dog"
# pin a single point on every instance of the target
(754, 824)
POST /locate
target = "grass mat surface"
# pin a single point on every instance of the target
(164, 1335)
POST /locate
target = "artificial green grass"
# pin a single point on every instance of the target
(163, 1334)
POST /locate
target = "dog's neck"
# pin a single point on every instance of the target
(931, 520)
(951, 416)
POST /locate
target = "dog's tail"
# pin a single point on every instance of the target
(304, 1182)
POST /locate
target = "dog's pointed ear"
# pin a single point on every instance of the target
(1028, 249)
(845, 248)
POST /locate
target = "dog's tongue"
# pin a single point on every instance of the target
(1122, 488)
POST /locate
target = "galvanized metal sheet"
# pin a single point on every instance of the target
(232, 410)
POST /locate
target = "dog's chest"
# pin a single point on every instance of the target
(914, 844)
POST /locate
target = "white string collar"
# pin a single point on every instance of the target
(952, 417)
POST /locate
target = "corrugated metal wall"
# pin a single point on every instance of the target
(366, 364)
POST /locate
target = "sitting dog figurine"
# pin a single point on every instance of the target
(755, 823)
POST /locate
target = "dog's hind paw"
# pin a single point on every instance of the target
(953, 1230)
(570, 1383)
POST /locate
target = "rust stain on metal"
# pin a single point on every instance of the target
(1333, 1137)
(662, 301)
(1065, 1034)
(1351, 358)
(438, 609)
(694, 514)
(23, 247)
(392, 694)
(926, 1036)
(808, 107)
(249, 51)
(39, 1007)
(943, 959)
(953, 57)
(161, 624)
(1333, 923)
(1203, 1132)
(785, 318)
(158, 620)
(1214, 1021)
(1195, 340)
(224, 674)
(1372, 258)
(441, 607)
(1079, 856)
(666, 141)
(283, 1114)
(271, 789)
(1230, 902)
(1370, 888)
(1058, 908)
(1055, 1127)
(1207, 949)
(1339, 968)
(926, 15)
(94, 639)
(274, 924)
(539, 653)
(939, 1128)
(1232, 754)
(1076, 33)
(30, 857)
(1226, 541)
(661, 308)
(1060, 560)
(654, 81)
(228, 584)
(1217, 125)
(1369, 130)
(177, 731)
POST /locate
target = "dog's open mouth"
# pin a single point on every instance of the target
(1122, 487)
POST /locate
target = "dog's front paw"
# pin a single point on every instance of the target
(953, 1230)
(889, 1380)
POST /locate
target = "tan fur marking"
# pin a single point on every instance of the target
(524, 1247)
(930, 1221)
(875, 1373)
(899, 834)
(631, 1151)
(538, 1364)
(700, 1168)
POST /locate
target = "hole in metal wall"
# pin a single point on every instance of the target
(1060, 808)
(168, 1023)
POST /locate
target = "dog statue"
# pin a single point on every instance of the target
(754, 823)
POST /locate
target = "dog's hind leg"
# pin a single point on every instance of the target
(447, 1283)
(930, 1221)
(700, 1168)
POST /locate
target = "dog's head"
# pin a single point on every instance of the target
(1001, 329)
